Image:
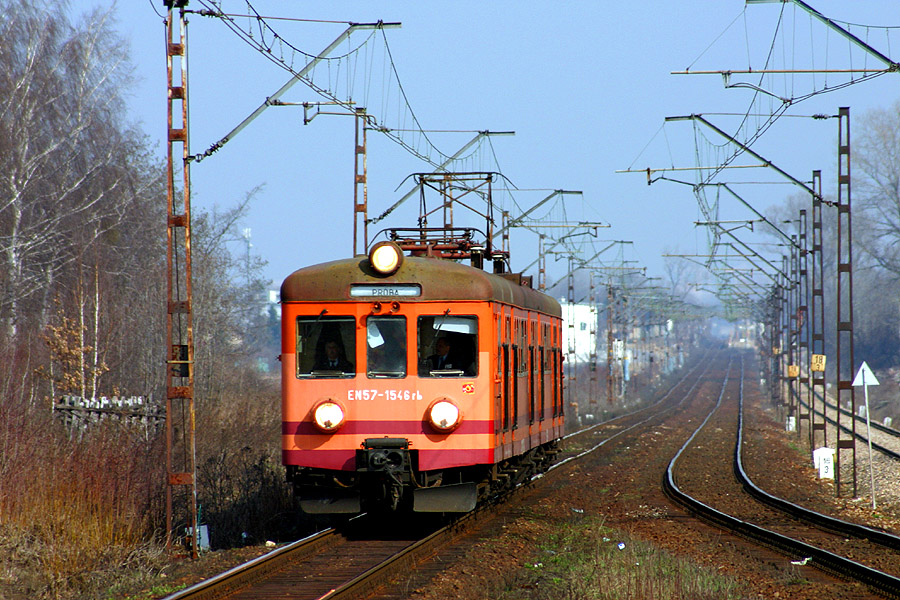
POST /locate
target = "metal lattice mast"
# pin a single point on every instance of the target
(784, 340)
(794, 334)
(360, 178)
(181, 490)
(817, 311)
(592, 302)
(844, 353)
(610, 338)
(542, 264)
(572, 355)
(803, 329)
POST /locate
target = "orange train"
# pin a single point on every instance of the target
(415, 383)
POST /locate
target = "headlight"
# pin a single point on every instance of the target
(444, 415)
(328, 416)
(386, 257)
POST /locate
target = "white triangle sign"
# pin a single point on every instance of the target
(864, 376)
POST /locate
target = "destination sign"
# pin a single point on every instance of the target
(395, 290)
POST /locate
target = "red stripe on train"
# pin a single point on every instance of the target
(381, 428)
(345, 460)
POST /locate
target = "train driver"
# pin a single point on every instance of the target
(333, 360)
(441, 358)
(445, 359)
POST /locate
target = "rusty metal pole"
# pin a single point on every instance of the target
(844, 354)
(180, 447)
(784, 338)
(774, 357)
(803, 330)
(542, 264)
(774, 336)
(610, 355)
(592, 302)
(360, 178)
(572, 350)
(793, 335)
(817, 310)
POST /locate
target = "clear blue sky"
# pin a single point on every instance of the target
(586, 86)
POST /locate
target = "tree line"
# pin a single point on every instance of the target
(83, 313)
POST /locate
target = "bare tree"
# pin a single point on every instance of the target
(876, 169)
(679, 273)
(61, 147)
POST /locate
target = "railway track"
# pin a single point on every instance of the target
(339, 563)
(358, 559)
(604, 453)
(809, 538)
(885, 440)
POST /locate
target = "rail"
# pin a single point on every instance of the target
(876, 580)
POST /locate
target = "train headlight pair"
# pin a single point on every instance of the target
(328, 416)
(444, 415)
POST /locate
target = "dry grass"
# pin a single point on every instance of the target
(586, 560)
(72, 509)
(82, 513)
(583, 560)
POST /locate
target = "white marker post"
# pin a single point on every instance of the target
(865, 377)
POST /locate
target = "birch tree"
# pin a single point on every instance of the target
(61, 147)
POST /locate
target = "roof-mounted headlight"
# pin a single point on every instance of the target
(444, 415)
(328, 416)
(386, 257)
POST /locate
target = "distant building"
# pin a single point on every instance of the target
(584, 331)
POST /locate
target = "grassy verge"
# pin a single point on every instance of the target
(586, 560)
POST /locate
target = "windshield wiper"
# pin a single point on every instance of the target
(386, 374)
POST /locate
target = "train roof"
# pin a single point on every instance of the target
(439, 279)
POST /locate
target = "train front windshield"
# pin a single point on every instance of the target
(386, 347)
(448, 346)
(325, 346)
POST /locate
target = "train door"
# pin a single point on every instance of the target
(516, 365)
(555, 372)
(532, 374)
(558, 372)
(498, 371)
(507, 374)
(542, 368)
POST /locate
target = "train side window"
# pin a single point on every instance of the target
(325, 346)
(385, 347)
(448, 346)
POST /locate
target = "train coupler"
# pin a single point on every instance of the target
(388, 456)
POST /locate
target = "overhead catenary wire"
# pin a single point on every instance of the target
(269, 39)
